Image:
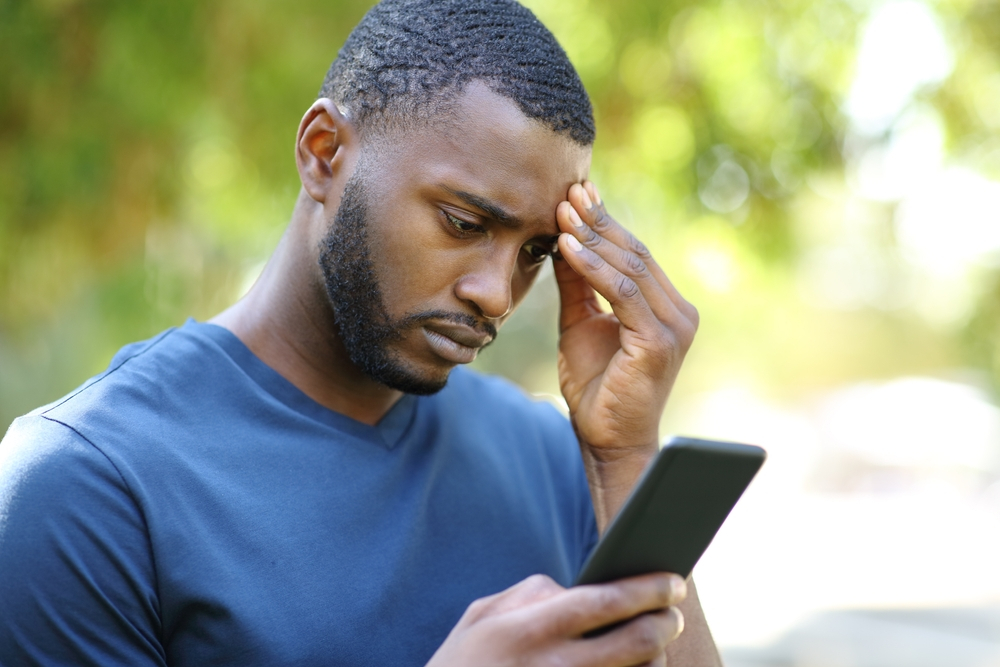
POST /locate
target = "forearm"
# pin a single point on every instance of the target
(612, 473)
(612, 476)
(695, 646)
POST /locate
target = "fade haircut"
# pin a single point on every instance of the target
(407, 60)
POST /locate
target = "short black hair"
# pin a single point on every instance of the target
(405, 55)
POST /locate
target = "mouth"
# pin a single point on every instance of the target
(456, 343)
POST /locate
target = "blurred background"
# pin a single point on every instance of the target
(820, 177)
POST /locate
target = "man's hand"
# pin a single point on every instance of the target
(615, 369)
(538, 622)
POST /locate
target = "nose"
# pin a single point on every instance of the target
(487, 286)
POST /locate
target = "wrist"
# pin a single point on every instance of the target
(612, 472)
(611, 456)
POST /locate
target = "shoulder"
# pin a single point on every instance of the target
(155, 398)
(146, 370)
(43, 461)
(53, 479)
(146, 385)
(70, 532)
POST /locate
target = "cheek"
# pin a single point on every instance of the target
(522, 281)
(398, 274)
(415, 270)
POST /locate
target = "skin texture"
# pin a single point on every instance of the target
(457, 215)
(364, 324)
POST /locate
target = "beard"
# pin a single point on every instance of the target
(366, 329)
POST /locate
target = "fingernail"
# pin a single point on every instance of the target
(678, 588)
(587, 204)
(679, 615)
(574, 217)
(574, 244)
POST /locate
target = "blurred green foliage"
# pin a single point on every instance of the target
(146, 171)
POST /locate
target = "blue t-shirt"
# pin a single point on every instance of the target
(190, 506)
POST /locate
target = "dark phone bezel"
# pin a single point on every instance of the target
(675, 510)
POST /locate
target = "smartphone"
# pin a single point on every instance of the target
(674, 511)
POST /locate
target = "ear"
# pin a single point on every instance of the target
(325, 147)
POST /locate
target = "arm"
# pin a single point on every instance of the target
(616, 369)
(77, 585)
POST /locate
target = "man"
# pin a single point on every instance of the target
(307, 479)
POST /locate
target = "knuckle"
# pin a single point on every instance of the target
(608, 598)
(602, 221)
(649, 636)
(640, 249)
(625, 287)
(683, 335)
(540, 582)
(693, 315)
(478, 608)
(664, 344)
(591, 239)
(634, 265)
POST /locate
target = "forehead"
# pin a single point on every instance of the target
(485, 145)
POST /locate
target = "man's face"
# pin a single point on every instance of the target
(440, 233)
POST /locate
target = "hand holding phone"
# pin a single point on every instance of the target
(674, 511)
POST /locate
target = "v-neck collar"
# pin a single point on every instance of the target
(388, 431)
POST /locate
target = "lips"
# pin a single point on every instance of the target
(456, 343)
(461, 334)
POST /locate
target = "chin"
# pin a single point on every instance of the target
(421, 386)
(410, 378)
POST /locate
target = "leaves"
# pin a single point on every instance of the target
(146, 171)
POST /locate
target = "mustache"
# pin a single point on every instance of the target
(456, 318)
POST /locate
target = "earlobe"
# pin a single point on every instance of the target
(325, 139)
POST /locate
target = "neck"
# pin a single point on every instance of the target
(286, 321)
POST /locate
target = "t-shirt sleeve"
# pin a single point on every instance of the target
(77, 580)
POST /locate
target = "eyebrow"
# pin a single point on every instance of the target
(492, 209)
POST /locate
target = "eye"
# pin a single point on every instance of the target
(463, 226)
(538, 252)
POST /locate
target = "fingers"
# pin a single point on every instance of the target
(586, 220)
(621, 291)
(622, 237)
(585, 608)
(641, 641)
(620, 261)
(577, 298)
(539, 621)
(533, 589)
